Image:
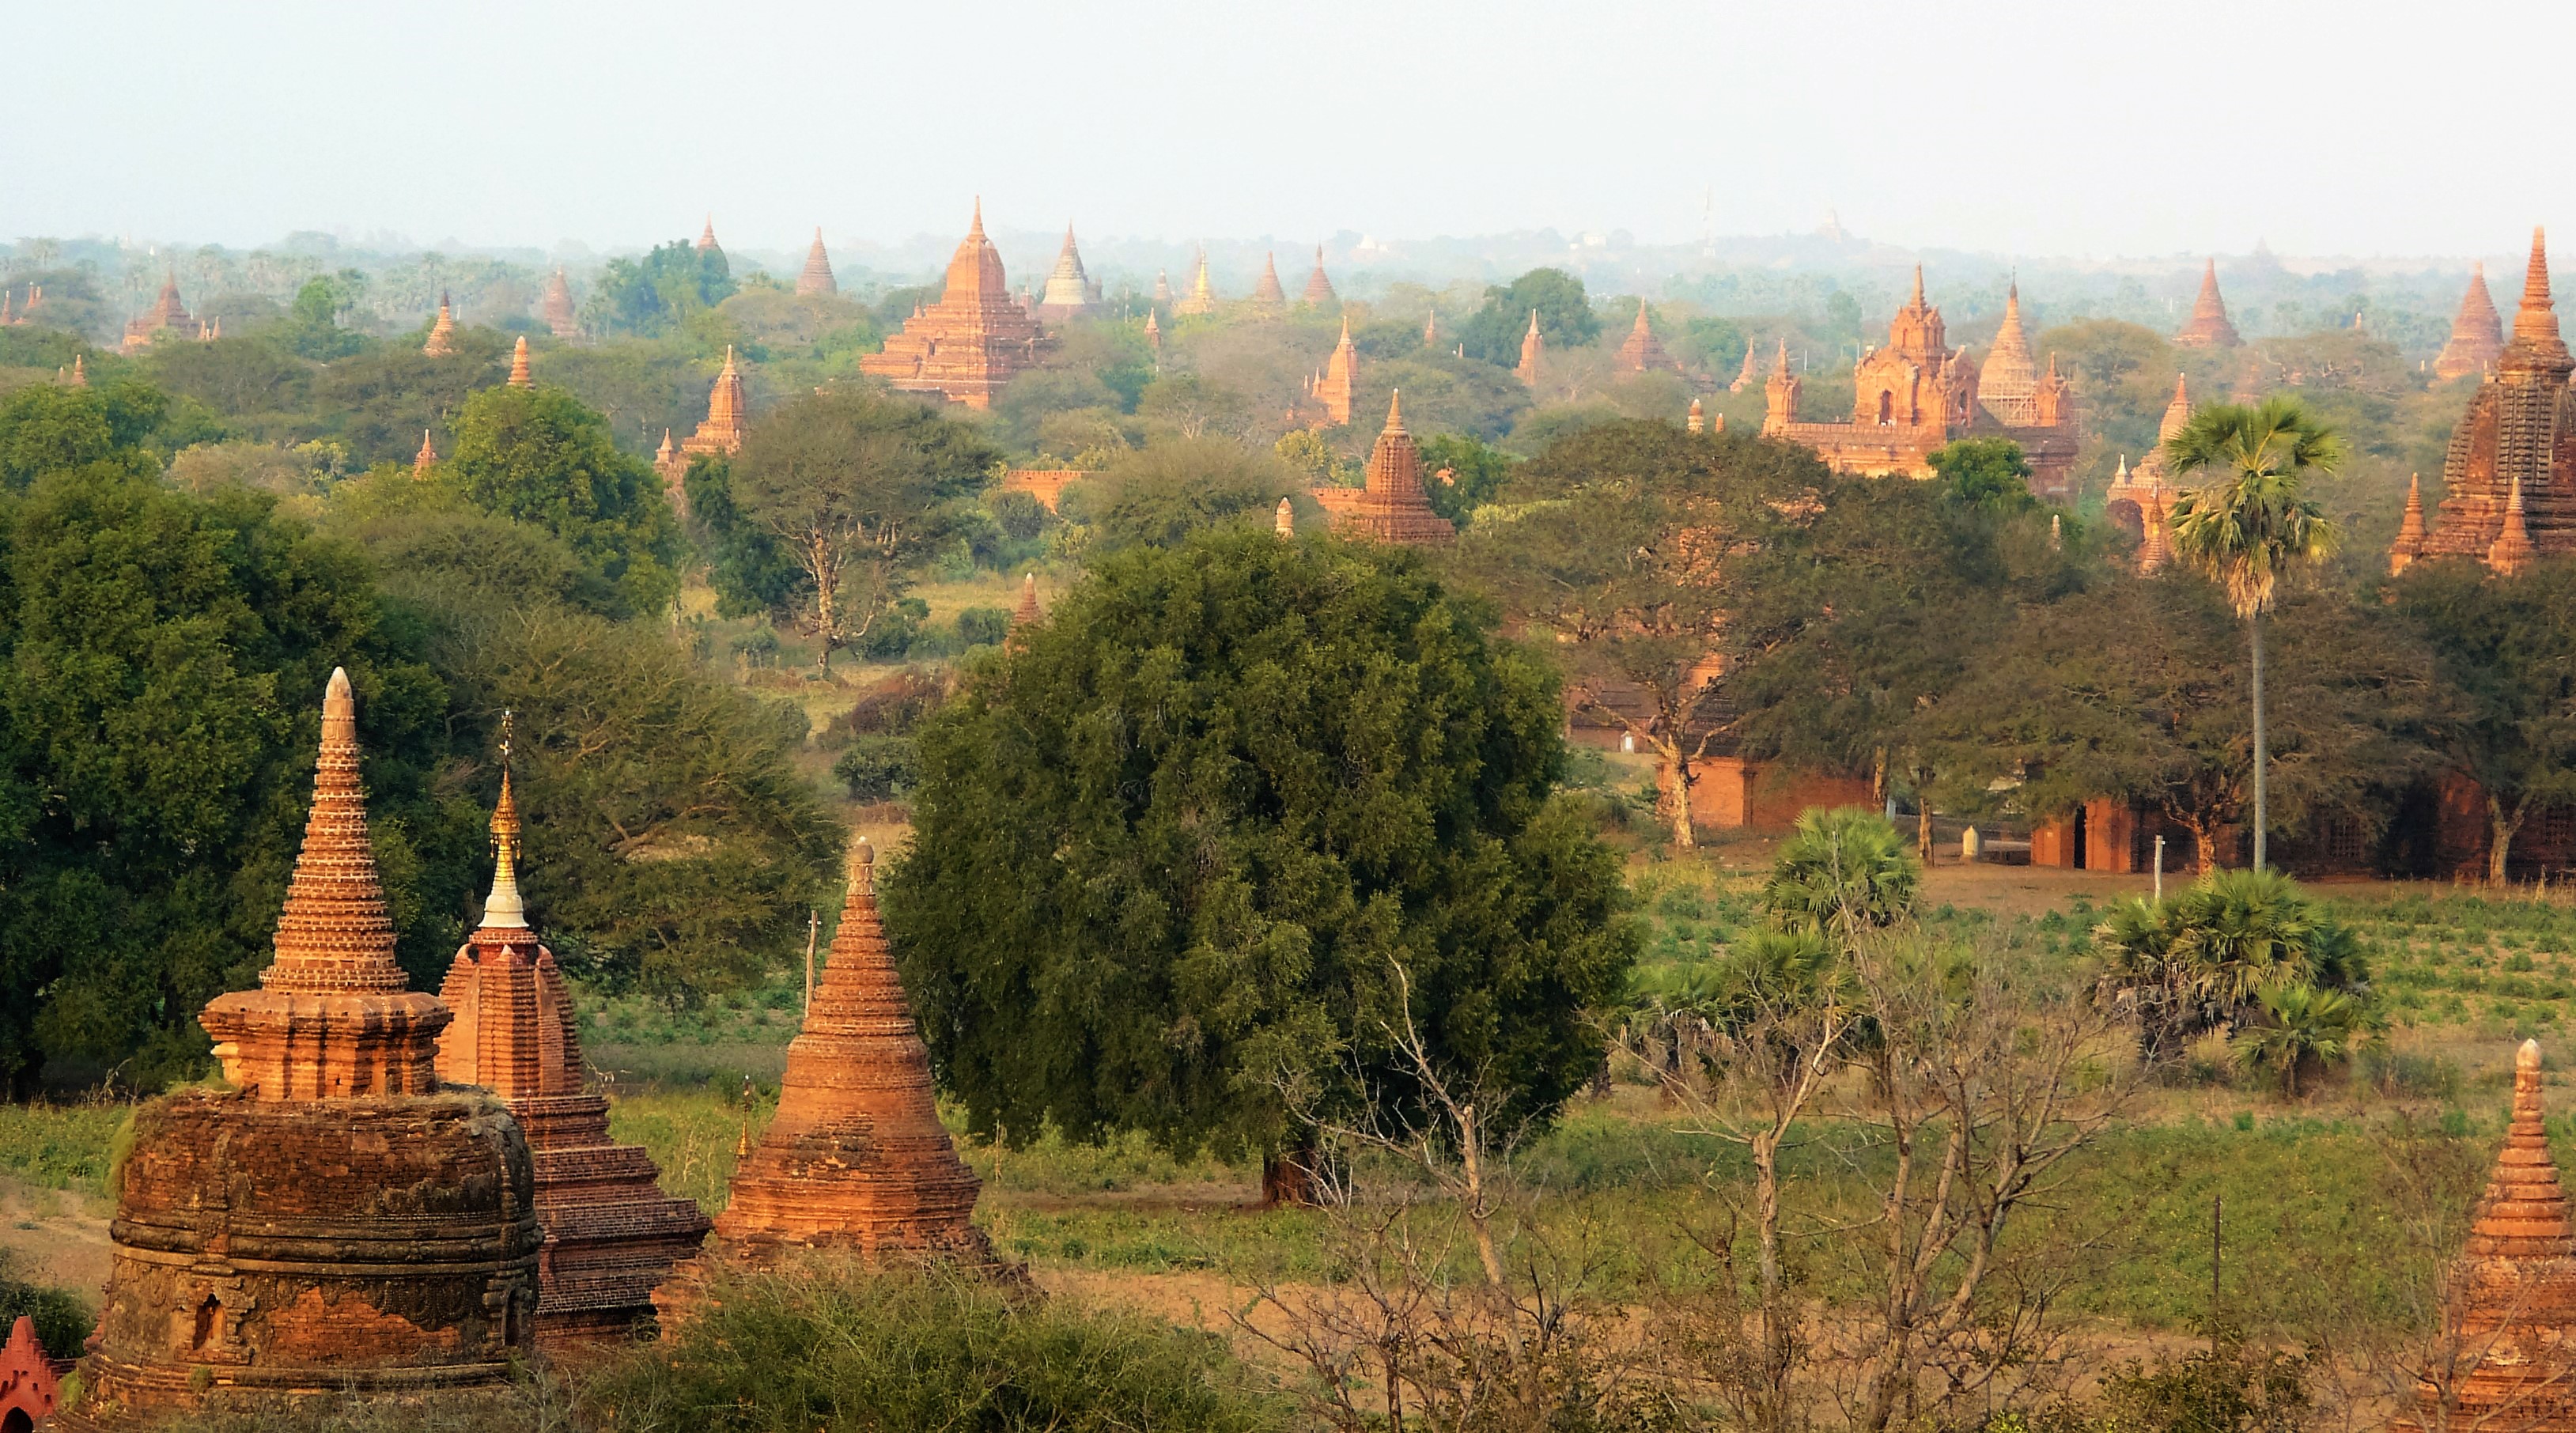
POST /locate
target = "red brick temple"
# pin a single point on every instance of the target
(816, 277)
(971, 342)
(2477, 333)
(1916, 395)
(2511, 1314)
(2517, 439)
(611, 1234)
(557, 306)
(856, 1159)
(1393, 508)
(334, 1222)
(1643, 352)
(442, 334)
(29, 1387)
(166, 316)
(1337, 387)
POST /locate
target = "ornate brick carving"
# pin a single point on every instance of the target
(2518, 436)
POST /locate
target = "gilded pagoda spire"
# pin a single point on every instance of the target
(520, 377)
(1202, 299)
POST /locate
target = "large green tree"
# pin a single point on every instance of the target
(854, 488)
(1179, 859)
(1162, 494)
(1634, 548)
(1565, 317)
(658, 292)
(2504, 653)
(2253, 522)
(537, 456)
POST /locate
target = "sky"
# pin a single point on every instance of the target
(2084, 128)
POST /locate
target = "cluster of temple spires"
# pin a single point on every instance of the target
(355, 1098)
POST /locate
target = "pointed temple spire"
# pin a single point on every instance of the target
(856, 1158)
(1431, 328)
(1202, 299)
(442, 334)
(1267, 295)
(611, 1234)
(2513, 1288)
(1917, 300)
(1162, 289)
(1068, 288)
(2536, 342)
(2409, 547)
(1319, 289)
(1338, 388)
(334, 1016)
(1748, 374)
(520, 377)
(2209, 326)
(1531, 353)
(167, 315)
(2512, 550)
(422, 460)
(1154, 333)
(1643, 352)
(1394, 507)
(1025, 616)
(707, 235)
(816, 277)
(1780, 392)
(557, 307)
(1284, 522)
(2008, 381)
(970, 343)
(2477, 332)
(1698, 420)
(29, 1388)
(2157, 550)
(80, 371)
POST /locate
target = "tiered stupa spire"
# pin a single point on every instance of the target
(816, 278)
(442, 334)
(1319, 289)
(2511, 1312)
(2477, 332)
(427, 457)
(520, 376)
(707, 235)
(1643, 352)
(1747, 375)
(1698, 420)
(2209, 326)
(2511, 466)
(1068, 288)
(2409, 547)
(557, 306)
(612, 1235)
(1338, 388)
(856, 1158)
(1531, 353)
(2008, 381)
(1202, 299)
(1394, 507)
(1267, 295)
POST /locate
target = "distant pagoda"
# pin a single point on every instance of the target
(2008, 381)
(1319, 289)
(611, 1234)
(1393, 508)
(1532, 353)
(1202, 299)
(2477, 333)
(333, 1222)
(2209, 326)
(167, 315)
(557, 306)
(442, 334)
(975, 339)
(1643, 352)
(707, 235)
(1267, 295)
(1069, 291)
(1337, 388)
(817, 275)
(1749, 374)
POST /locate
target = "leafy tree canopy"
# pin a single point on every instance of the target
(536, 455)
(660, 291)
(1186, 849)
(1988, 473)
(1565, 318)
(311, 327)
(1162, 494)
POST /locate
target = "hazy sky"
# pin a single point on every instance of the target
(2079, 127)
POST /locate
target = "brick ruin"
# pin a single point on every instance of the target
(2477, 332)
(1336, 388)
(333, 1222)
(557, 306)
(856, 1159)
(611, 1234)
(167, 315)
(2509, 1314)
(1642, 352)
(975, 339)
(2509, 476)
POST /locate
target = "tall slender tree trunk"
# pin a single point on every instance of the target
(2500, 834)
(1674, 772)
(2262, 812)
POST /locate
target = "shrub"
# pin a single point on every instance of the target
(1844, 866)
(837, 1346)
(892, 707)
(878, 768)
(1020, 516)
(982, 627)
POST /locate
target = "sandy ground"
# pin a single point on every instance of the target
(55, 1238)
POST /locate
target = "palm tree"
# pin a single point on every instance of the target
(2304, 1028)
(2217, 953)
(1845, 869)
(2254, 520)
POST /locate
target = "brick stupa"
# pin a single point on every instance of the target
(442, 334)
(557, 306)
(2519, 433)
(611, 1234)
(1643, 352)
(1533, 353)
(167, 315)
(816, 277)
(2209, 326)
(856, 1159)
(2511, 1311)
(1319, 289)
(334, 1222)
(1393, 507)
(2477, 333)
(971, 342)
(1337, 387)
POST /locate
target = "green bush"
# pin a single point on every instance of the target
(878, 768)
(982, 627)
(834, 1346)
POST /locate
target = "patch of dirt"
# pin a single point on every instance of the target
(55, 1236)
